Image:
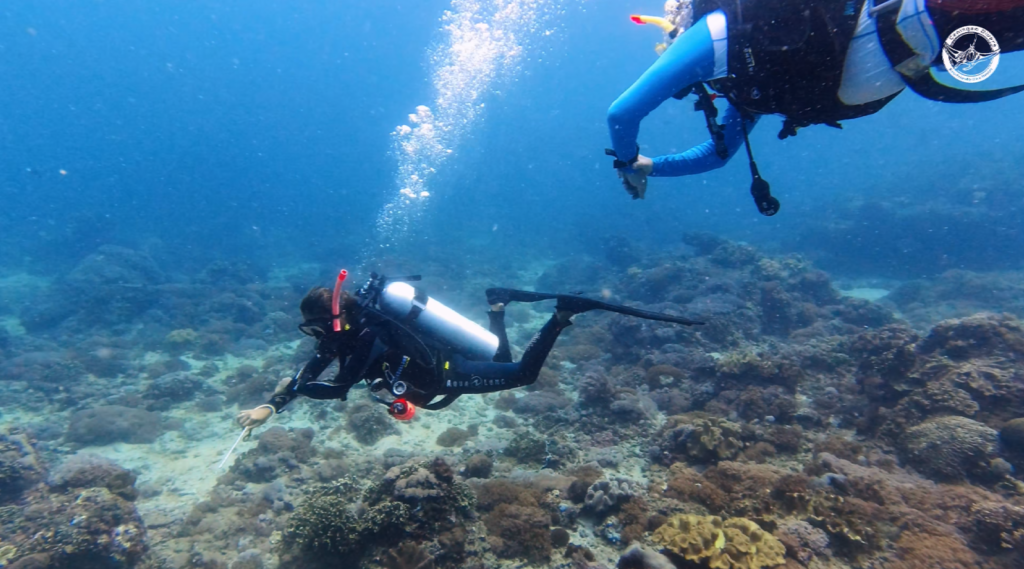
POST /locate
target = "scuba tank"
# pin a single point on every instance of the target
(433, 322)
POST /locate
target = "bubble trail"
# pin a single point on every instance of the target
(484, 42)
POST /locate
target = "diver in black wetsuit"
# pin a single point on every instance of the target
(370, 346)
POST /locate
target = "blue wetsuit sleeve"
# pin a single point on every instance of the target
(702, 158)
(691, 58)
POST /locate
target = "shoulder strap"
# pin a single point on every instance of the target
(921, 81)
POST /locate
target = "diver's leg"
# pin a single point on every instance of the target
(507, 295)
(467, 376)
(540, 346)
(699, 54)
(497, 326)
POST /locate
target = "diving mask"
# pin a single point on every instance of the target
(316, 328)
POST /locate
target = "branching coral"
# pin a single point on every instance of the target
(735, 543)
(417, 500)
(329, 523)
(408, 556)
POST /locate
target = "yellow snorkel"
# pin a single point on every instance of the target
(666, 26)
(662, 23)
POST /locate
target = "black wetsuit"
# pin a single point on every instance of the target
(374, 349)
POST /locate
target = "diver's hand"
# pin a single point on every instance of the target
(255, 417)
(634, 178)
(643, 164)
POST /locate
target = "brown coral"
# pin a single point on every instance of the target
(949, 448)
(519, 531)
(736, 543)
(979, 335)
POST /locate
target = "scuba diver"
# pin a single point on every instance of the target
(417, 350)
(810, 61)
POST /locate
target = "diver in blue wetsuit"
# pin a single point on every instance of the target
(810, 61)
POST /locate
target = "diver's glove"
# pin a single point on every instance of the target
(634, 178)
(633, 173)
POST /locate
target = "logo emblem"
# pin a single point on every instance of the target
(971, 54)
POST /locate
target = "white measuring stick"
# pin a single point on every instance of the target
(245, 431)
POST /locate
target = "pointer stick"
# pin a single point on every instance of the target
(245, 431)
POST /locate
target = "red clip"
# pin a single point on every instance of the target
(636, 20)
(402, 410)
(713, 97)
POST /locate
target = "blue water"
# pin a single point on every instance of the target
(261, 130)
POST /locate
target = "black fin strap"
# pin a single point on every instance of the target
(923, 83)
(759, 188)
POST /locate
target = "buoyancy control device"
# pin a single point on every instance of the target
(434, 323)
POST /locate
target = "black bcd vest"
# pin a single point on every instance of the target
(786, 58)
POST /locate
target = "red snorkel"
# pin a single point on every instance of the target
(336, 301)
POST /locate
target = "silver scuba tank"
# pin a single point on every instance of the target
(435, 321)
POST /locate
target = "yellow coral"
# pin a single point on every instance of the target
(7, 553)
(736, 543)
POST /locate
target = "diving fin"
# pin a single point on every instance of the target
(577, 304)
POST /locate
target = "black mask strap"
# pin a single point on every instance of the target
(759, 188)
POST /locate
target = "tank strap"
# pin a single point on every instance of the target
(419, 304)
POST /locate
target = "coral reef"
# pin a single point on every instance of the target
(453, 437)
(20, 466)
(278, 451)
(418, 499)
(368, 423)
(949, 448)
(700, 440)
(174, 387)
(72, 525)
(114, 423)
(735, 543)
(818, 425)
(637, 557)
(605, 496)
(86, 470)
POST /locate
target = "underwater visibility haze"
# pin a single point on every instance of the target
(838, 385)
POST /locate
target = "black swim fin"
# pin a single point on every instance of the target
(577, 304)
(507, 295)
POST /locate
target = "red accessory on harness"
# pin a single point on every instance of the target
(336, 301)
(402, 410)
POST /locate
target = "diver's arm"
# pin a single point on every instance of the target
(691, 58)
(702, 158)
(316, 365)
